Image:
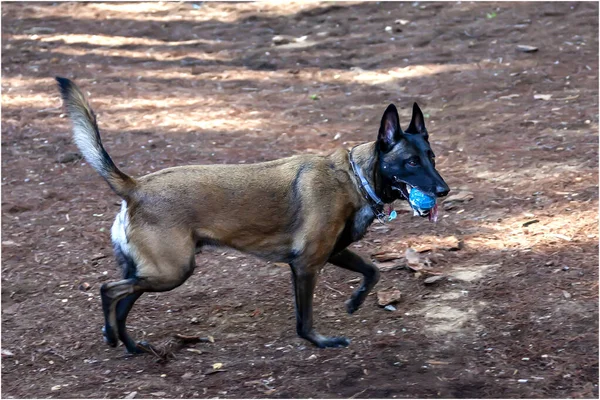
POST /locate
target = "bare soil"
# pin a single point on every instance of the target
(516, 312)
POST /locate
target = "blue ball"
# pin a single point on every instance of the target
(420, 200)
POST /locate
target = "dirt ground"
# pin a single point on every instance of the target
(515, 313)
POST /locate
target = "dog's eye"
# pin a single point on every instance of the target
(413, 162)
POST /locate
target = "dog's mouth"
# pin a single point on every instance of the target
(404, 189)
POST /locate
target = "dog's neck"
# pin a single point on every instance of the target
(366, 158)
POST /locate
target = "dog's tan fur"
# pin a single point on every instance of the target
(292, 207)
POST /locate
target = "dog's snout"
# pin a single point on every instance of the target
(442, 190)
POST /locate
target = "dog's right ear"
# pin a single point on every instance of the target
(389, 130)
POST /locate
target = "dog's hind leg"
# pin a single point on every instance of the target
(123, 307)
(351, 261)
(111, 293)
(160, 265)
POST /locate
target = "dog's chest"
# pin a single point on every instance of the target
(362, 219)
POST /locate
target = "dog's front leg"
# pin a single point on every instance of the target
(304, 280)
(349, 260)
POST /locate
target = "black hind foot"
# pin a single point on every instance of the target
(336, 341)
(326, 341)
(109, 335)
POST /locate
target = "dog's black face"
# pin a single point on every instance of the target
(406, 159)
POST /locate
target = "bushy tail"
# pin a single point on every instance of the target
(87, 138)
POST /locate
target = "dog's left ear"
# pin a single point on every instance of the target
(417, 123)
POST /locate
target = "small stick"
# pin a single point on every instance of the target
(335, 290)
(192, 339)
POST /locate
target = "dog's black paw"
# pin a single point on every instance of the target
(338, 341)
(351, 306)
(109, 336)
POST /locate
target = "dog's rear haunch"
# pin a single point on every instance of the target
(302, 210)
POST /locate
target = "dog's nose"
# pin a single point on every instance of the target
(441, 190)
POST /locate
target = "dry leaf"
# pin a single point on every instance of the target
(384, 267)
(217, 366)
(526, 49)
(433, 279)
(412, 257)
(386, 256)
(389, 296)
(7, 353)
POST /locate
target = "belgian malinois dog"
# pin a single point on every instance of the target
(303, 210)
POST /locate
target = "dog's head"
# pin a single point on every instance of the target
(406, 159)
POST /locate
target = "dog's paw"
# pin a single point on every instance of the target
(109, 336)
(338, 341)
(351, 306)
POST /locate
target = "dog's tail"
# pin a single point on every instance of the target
(87, 138)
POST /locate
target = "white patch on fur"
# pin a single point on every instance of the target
(85, 138)
(118, 232)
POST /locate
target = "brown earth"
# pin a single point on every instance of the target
(185, 83)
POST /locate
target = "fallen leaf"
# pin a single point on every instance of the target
(383, 267)
(508, 97)
(217, 366)
(433, 279)
(194, 339)
(451, 243)
(526, 49)
(423, 247)
(386, 256)
(389, 296)
(412, 257)
(84, 286)
(7, 353)
(281, 40)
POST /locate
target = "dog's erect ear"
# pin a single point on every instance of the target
(417, 123)
(389, 130)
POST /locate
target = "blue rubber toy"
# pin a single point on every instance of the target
(420, 200)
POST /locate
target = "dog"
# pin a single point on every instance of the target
(302, 210)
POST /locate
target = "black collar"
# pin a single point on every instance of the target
(373, 200)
